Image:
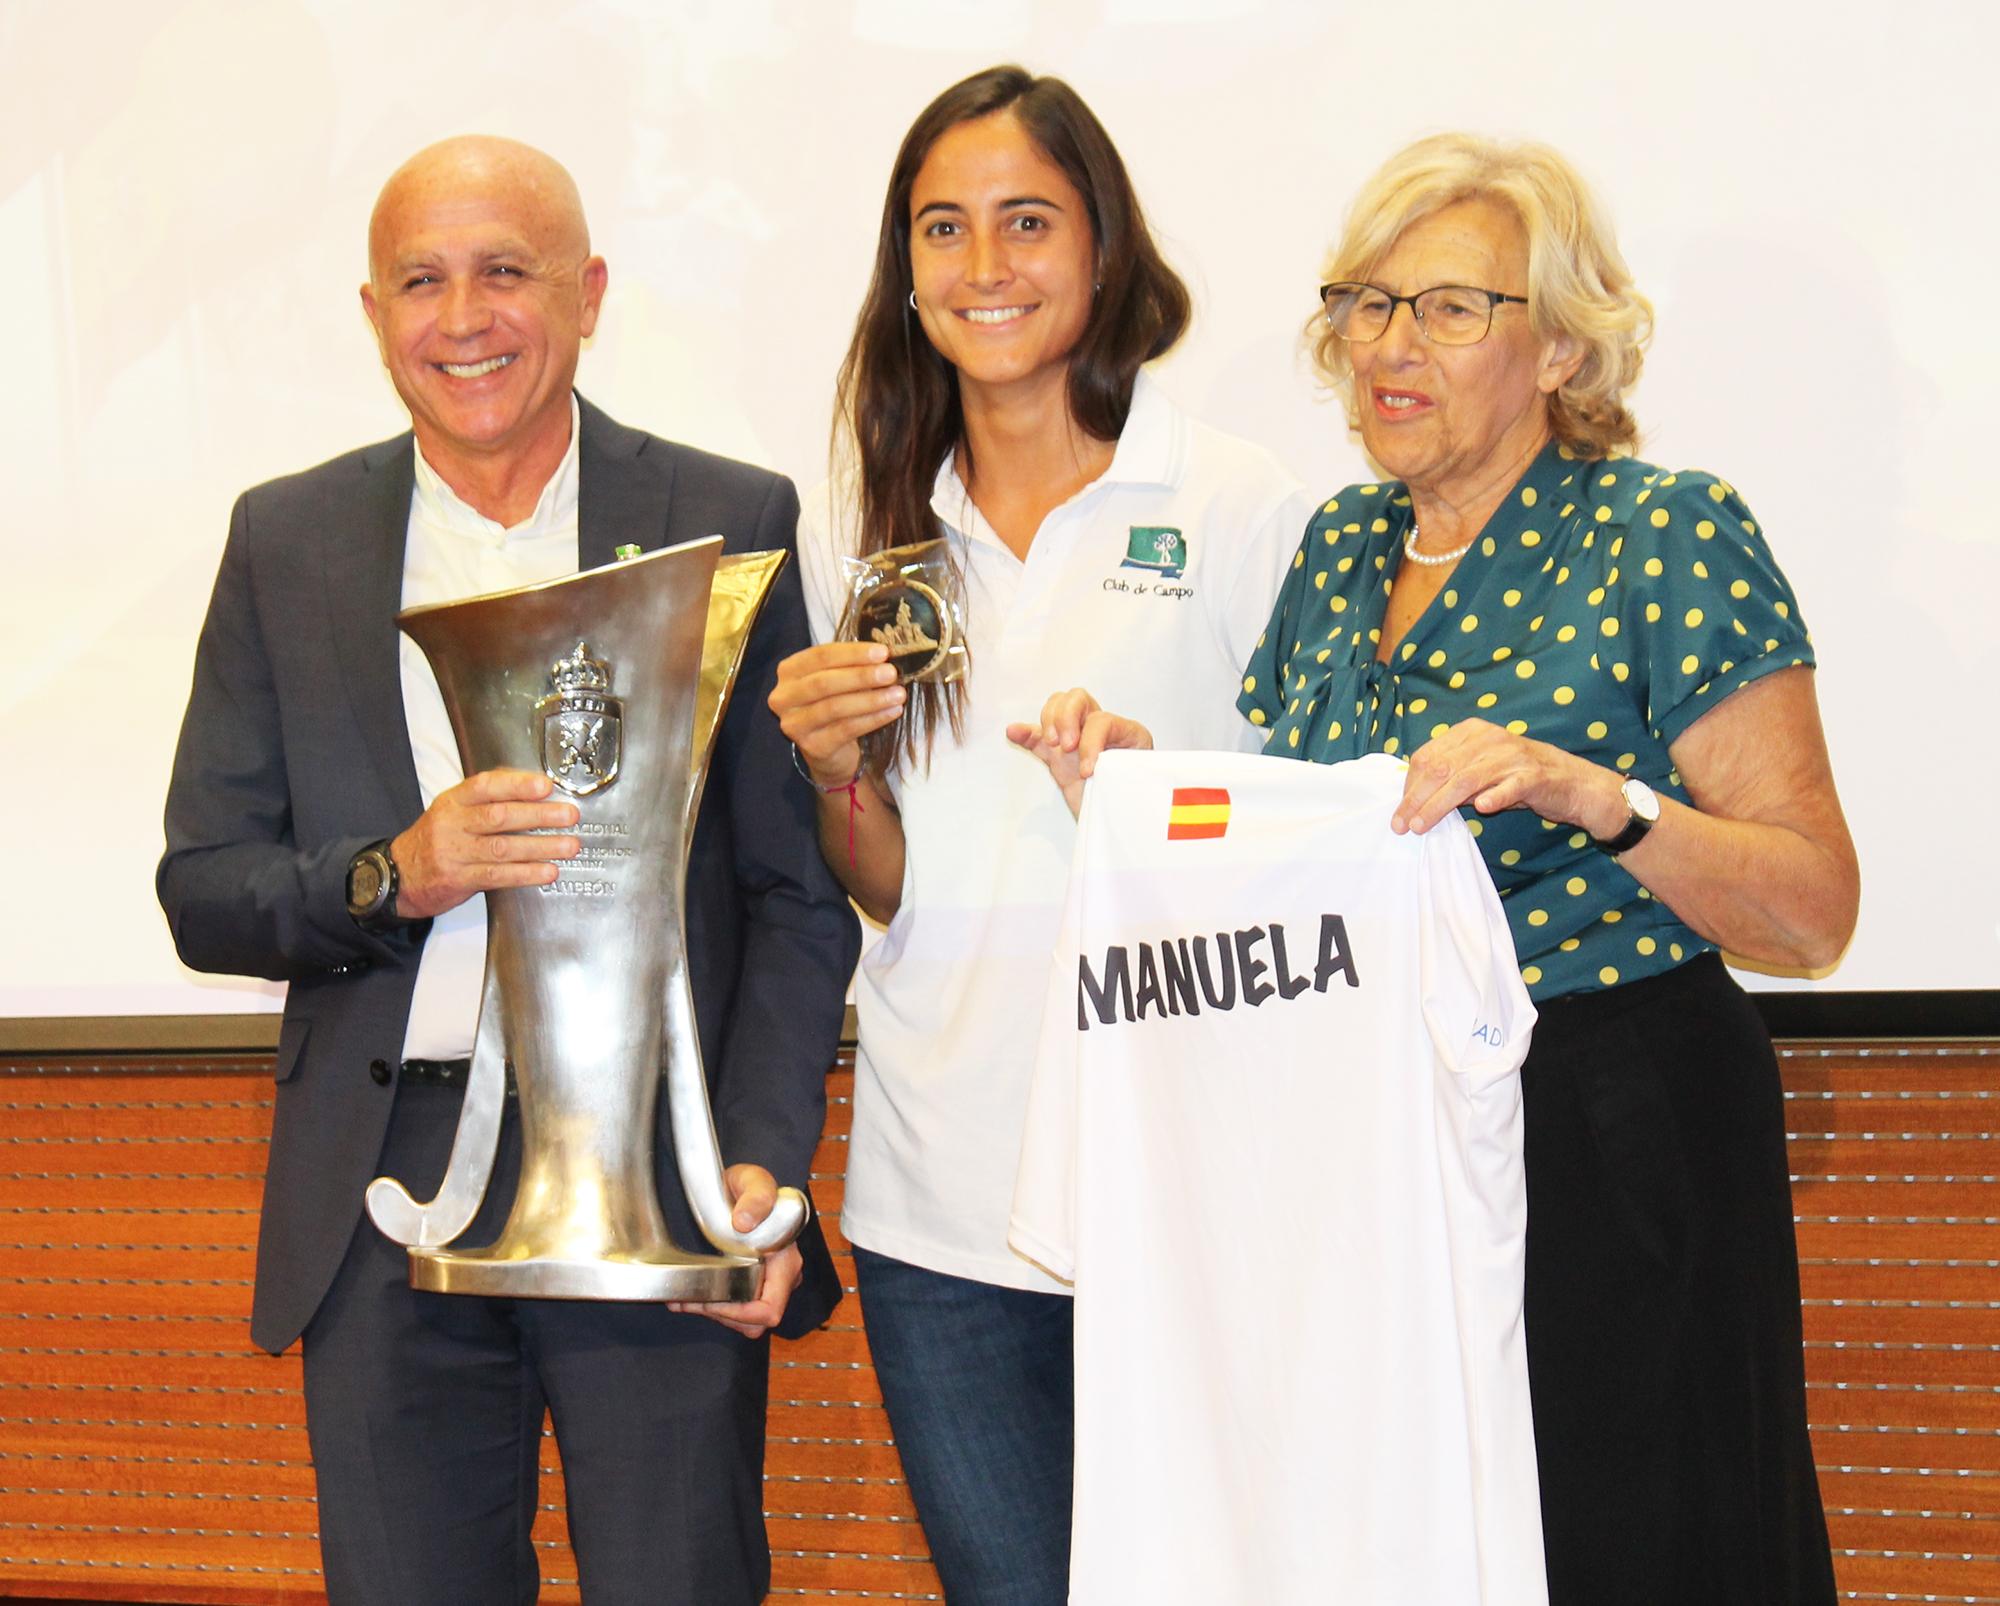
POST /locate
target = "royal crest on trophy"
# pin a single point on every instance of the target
(580, 723)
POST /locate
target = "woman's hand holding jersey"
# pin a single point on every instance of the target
(1070, 735)
(1761, 864)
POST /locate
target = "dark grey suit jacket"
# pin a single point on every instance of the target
(294, 754)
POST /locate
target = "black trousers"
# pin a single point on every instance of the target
(425, 1416)
(1665, 1351)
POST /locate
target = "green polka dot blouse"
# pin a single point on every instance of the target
(1604, 608)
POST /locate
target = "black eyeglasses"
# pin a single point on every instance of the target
(1449, 314)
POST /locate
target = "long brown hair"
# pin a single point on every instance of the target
(897, 398)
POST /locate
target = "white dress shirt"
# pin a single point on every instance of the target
(455, 552)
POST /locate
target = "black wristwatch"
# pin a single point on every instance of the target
(372, 882)
(1642, 813)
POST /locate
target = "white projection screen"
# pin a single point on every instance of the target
(1804, 191)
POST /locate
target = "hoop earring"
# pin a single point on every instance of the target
(913, 301)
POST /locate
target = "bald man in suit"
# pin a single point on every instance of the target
(319, 832)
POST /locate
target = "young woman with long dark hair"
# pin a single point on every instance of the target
(994, 396)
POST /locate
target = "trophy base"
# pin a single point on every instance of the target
(703, 1278)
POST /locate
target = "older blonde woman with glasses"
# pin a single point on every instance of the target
(1599, 663)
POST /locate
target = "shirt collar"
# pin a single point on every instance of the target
(1151, 450)
(555, 509)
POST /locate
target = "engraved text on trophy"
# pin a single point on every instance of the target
(601, 852)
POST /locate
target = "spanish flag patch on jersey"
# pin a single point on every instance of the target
(1198, 811)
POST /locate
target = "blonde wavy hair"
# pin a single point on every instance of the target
(1578, 284)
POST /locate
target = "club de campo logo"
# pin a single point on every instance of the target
(1157, 549)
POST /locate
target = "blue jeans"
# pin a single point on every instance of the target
(981, 1399)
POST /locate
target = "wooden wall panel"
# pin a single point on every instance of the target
(147, 1453)
(1896, 1186)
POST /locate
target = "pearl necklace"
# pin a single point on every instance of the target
(1432, 560)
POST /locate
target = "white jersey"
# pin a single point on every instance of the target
(1274, 1138)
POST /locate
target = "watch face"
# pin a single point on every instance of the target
(1639, 798)
(365, 883)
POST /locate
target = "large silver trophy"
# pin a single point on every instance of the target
(612, 682)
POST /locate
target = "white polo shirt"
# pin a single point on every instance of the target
(949, 998)
(1275, 1137)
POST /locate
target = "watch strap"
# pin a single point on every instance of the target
(1636, 827)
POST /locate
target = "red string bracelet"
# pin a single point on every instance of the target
(851, 786)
